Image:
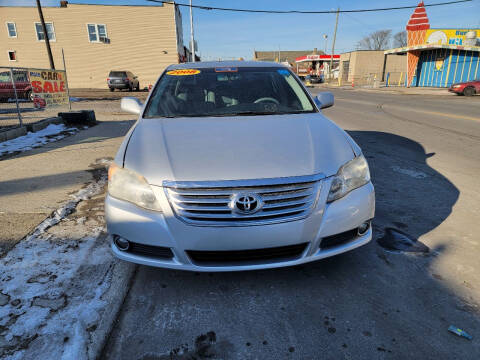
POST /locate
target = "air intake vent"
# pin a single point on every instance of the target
(158, 252)
(338, 239)
(219, 258)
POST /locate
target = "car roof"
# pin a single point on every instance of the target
(215, 64)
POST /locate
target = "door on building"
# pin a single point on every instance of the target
(345, 70)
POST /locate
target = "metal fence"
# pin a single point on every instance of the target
(24, 101)
(395, 78)
(364, 80)
(373, 80)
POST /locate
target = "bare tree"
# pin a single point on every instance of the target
(377, 40)
(400, 39)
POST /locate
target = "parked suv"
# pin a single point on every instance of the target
(123, 80)
(22, 84)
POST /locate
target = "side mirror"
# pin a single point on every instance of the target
(324, 100)
(131, 105)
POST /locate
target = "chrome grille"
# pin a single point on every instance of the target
(211, 203)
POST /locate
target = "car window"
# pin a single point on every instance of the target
(231, 91)
(20, 76)
(5, 77)
(118, 74)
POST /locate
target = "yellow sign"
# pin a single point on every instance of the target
(464, 37)
(439, 63)
(183, 72)
(49, 88)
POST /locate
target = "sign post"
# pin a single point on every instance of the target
(16, 97)
(66, 81)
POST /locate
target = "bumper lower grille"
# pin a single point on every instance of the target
(218, 258)
(214, 203)
(338, 239)
(149, 250)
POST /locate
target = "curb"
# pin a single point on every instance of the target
(390, 90)
(43, 124)
(84, 116)
(12, 133)
(123, 274)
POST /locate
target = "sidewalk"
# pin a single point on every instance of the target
(57, 275)
(34, 183)
(392, 90)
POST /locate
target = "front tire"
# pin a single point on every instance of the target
(469, 91)
(138, 86)
(112, 89)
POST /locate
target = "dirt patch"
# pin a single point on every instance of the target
(105, 94)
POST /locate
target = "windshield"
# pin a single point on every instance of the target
(227, 91)
(118, 74)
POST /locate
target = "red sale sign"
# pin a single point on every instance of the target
(49, 86)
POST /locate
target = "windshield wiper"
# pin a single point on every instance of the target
(250, 113)
(240, 113)
(247, 113)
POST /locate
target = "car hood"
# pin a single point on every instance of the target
(233, 148)
(465, 83)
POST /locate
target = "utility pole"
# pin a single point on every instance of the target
(192, 40)
(45, 34)
(333, 45)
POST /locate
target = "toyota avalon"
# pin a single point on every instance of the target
(233, 166)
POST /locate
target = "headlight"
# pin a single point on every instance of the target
(127, 185)
(350, 176)
(456, 86)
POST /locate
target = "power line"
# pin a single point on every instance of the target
(203, 7)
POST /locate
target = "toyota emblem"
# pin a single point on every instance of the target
(246, 203)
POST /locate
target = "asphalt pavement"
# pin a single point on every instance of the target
(370, 303)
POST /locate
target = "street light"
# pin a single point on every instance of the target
(192, 41)
(325, 36)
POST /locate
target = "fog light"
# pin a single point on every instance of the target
(362, 229)
(121, 243)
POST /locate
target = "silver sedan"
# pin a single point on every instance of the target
(232, 166)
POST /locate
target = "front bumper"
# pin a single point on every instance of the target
(456, 90)
(165, 230)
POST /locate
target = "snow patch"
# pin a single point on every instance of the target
(413, 173)
(52, 132)
(55, 286)
(65, 210)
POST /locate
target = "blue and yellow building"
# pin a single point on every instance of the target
(439, 57)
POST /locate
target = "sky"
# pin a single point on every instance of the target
(230, 35)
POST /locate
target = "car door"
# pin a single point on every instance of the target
(21, 83)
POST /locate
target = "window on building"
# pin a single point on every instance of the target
(97, 32)
(12, 55)
(12, 30)
(50, 31)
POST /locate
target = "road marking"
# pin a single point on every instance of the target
(403, 108)
(448, 115)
